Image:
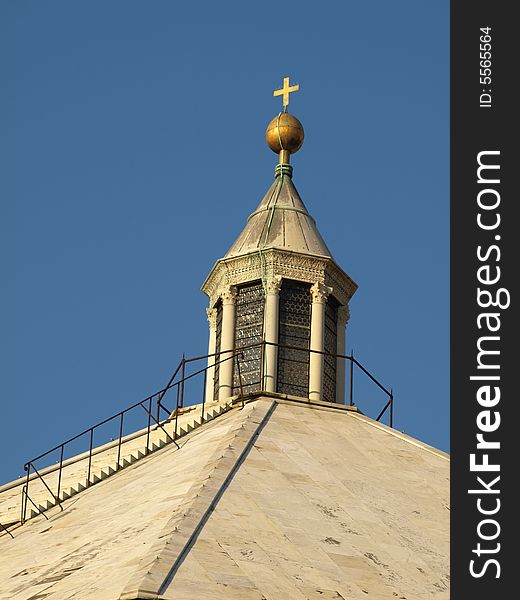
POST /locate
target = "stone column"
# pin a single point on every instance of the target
(227, 342)
(212, 347)
(319, 293)
(271, 319)
(343, 317)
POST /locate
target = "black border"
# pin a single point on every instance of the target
(474, 129)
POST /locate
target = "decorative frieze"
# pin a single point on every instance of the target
(267, 264)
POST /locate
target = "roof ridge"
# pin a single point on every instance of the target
(158, 567)
(402, 436)
(105, 461)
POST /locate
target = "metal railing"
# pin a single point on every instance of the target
(353, 363)
(4, 528)
(238, 355)
(388, 406)
(152, 408)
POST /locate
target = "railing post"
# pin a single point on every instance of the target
(204, 393)
(90, 455)
(183, 371)
(391, 408)
(120, 438)
(28, 480)
(149, 423)
(352, 378)
(22, 509)
(59, 473)
(27, 467)
(176, 411)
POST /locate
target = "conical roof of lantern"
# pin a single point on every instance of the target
(280, 221)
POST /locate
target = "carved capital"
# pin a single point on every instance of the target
(229, 294)
(212, 317)
(343, 315)
(273, 285)
(320, 292)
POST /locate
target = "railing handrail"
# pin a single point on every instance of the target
(74, 459)
(345, 356)
(147, 405)
(161, 393)
(266, 343)
(170, 385)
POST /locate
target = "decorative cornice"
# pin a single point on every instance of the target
(344, 287)
(270, 263)
(320, 292)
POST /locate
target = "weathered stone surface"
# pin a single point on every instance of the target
(330, 506)
(93, 547)
(284, 501)
(104, 462)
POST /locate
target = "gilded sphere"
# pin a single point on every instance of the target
(286, 129)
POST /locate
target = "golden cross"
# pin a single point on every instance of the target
(285, 91)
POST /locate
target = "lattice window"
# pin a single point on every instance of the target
(294, 330)
(218, 339)
(331, 346)
(249, 326)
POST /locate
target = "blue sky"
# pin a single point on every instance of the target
(133, 151)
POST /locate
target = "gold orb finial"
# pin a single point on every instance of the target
(284, 134)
